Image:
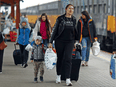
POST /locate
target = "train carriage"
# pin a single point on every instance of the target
(101, 11)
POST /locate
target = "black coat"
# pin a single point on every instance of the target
(91, 29)
(1, 37)
(114, 44)
(59, 27)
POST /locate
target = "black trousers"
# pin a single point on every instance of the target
(24, 54)
(1, 59)
(64, 50)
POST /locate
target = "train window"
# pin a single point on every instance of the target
(100, 10)
(82, 8)
(78, 9)
(90, 9)
(108, 10)
(95, 9)
(86, 8)
(105, 8)
(108, 2)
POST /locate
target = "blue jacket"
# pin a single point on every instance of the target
(23, 38)
(23, 33)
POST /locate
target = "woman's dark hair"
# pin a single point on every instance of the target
(47, 22)
(68, 6)
(86, 14)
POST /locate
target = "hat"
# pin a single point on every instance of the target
(38, 37)
(24, 20)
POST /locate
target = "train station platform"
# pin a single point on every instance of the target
(94, 75)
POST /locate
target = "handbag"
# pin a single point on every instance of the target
(2, 45)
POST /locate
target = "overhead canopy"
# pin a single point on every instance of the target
(13, 3)
(8, 2)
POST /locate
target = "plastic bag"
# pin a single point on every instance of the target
(6, 31)
(50, 58)
(96, 48)
(28, 47)
(113, 66)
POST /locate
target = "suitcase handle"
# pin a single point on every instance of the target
(15, 46)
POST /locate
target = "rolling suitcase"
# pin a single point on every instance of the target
(16, 56)
(76, 62)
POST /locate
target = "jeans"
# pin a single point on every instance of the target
(86, 44)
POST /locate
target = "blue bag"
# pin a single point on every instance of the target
(113, 66)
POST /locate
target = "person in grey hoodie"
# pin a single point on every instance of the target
(37, 55)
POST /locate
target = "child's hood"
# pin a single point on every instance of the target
(24, 20)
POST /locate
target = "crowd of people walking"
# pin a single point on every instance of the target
(66, 33)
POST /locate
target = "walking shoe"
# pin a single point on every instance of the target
(86, 63)
(41, 78)
(35, 80)
(25, 65)
(58, 79)
(83, 63)
(68, 82)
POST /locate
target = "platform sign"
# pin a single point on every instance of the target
(64, 3)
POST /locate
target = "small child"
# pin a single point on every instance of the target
(37, 55)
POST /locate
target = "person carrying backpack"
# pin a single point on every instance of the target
(64, 34)
(86, 35)
(37, 55)
(23, 39)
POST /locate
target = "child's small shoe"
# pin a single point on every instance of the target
(35, 80)
(41, 78)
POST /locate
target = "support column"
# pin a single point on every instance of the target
(17, 13)
(12, 10)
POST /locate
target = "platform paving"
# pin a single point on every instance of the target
(95, 75)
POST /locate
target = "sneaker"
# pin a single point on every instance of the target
(25, 65)
(86, 63)
(83, 63)
(0, 72)
(35, 80)
(68, 82)
(41, 78)
(58, 79)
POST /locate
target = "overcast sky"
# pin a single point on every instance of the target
(28, 3)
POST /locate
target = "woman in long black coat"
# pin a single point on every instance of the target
(114, 45)
(1, 52)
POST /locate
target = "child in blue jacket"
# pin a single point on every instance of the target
(23, 40)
